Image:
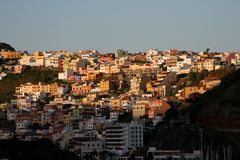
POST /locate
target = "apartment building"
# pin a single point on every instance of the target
(208, 64)
(139, 108)
(80, 89)
(104, 85)
(10, 55)
(138, 84)
(121, 137)
(146, 70)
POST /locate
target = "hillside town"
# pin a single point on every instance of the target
(102, 104)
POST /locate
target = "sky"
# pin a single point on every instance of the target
(133, 25)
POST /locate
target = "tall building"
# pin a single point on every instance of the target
(121, 137)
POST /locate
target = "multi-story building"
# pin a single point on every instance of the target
(138, 84)
(147, 70)
(116, 137)
(115, 104)
(150, 53)
(203, 86)
(208, 64)
(51, 62)
(139, 109)
(66, 74)
(80, 89)
(19, 68)
(135, 135)
(10, 55)
(121, 137)
(104, 85)
(30, 88)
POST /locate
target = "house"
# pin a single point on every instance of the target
(66, 74)
(140, 109)
(138, 84)
(52, 62)
(115, 104)
(78, 89)
(203, 86)
(157, 107)
(19, 68)
(114, 115)
(23, 121)
(104, 85)
(86, 145)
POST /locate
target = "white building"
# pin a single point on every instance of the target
(150, 53)
(51, 62)
(114, 115)
(135, 135)
(65, 75)
(120, 137)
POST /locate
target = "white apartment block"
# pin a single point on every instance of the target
(121, 137)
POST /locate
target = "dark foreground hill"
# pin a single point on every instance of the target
(220, 107)
(42, 149)
(6, 47)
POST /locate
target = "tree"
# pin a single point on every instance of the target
(171, 114)
(121, 53)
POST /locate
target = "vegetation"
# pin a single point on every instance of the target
(33, 75)
(8, 125)
(187, 138)
(15, 149)
(126, 117)
(6, 47)
(220, 106)
(195, 78)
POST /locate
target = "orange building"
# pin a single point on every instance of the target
(11, 55)
(104, 85)
(81, 89)
(156, 107)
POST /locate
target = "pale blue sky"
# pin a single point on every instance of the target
(134, 25)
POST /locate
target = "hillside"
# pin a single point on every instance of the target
(219, 107)
(33, 75)
(6, 47)
(15, 149)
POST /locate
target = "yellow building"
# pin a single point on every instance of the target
(66, 65)
(149, 86)
(74, 65)
(114, 69)
(91, 76)
(116, 104)
(30, 88)
(207, 64)
(139, 109)
(187, 91)
(104, 85)
(11, 55)
(53, 89)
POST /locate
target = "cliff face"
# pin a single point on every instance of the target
(6, 47)
(219, 107)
